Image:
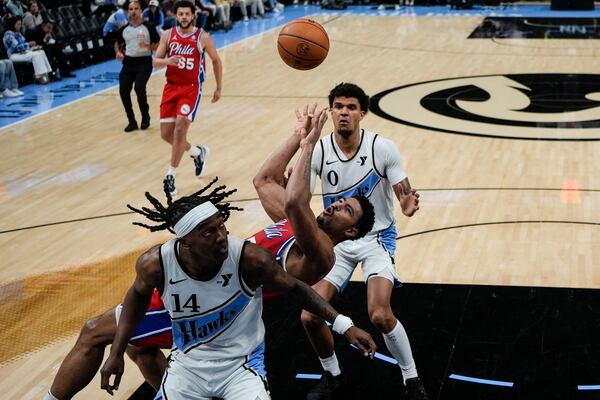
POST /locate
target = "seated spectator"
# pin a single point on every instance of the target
(274, 5)
(4, 11)
(242, 5)
(154, 15)
(19, 50)
(15, 8)
(9, 87)
(167, 8)
(32, 18)
(43, 36)
(116, 21)
(257, 10)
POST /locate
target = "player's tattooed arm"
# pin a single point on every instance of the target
(407, 196)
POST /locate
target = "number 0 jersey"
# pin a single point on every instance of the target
(190, 70)
(215, 319)
(370, 172)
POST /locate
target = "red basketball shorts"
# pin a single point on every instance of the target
(179, 101)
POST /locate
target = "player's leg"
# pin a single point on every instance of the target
(83, 361)
(141, 79)
(151, 361)
(379, 270)
(126, 81)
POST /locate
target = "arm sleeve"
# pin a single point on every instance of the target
(315, 165)
(388, 160)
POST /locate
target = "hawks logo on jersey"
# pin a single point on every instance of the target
(190, 69)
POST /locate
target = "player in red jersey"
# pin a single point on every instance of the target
(301, 244)
(182, 50)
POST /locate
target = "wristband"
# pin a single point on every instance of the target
(342, 324)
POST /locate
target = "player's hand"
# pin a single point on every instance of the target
(318, 121)
(410, 203)
(304, 119)
(362, 340)
(114, 365)
(119, 56)
(216, 96)
(174, 60)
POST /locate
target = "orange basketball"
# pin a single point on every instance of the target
(303, 44)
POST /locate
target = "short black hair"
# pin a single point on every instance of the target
(183, 4)
(365, 223)
(10, 25)
(346, 89)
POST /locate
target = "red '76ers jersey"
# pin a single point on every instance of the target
(275, 238)
(190, 69)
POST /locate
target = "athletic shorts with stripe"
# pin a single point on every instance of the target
(241, 378)
(179, 101)
(376, 254)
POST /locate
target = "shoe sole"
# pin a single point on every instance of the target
(206, 154)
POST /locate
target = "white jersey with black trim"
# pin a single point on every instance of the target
(371, 171)
(216, 319)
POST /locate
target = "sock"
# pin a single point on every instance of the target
(194, 151)
(331, 364)
(172, 171)
(397, 343)
(49, 396)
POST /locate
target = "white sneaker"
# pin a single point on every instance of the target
(1, 95)
(9, 93)
(245, 18)
(18, 92)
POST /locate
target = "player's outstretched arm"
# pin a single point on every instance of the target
(270, 181)
(259, 268)
(308, 235)
(148, 276)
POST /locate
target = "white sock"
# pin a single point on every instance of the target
(49, 396)
(194, 151)
(331, 364)
(397, 343)
(172, 171)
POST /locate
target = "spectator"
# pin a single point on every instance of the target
(4, 11)
(257, 10)
(242, 5)
(15, 8)
(43, 36)
(167, 8)
(18, 49)
(154, 15)
(135, 43)
(116, 21)
(274, 5)
(32, 18)
(9, 87)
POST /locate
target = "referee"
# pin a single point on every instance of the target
(134, 45)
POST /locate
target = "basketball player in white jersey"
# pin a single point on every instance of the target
(211, 285)
(301, 250)
(353, 161)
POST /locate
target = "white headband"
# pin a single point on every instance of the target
(194, 217)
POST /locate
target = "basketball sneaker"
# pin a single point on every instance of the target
(326, 387)
(415, 389)
(200, 160)
(169, 184)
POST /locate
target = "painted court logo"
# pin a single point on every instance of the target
(524, 106)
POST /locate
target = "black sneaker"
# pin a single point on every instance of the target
(169, 183)
(415, 389)
(131, 127)
(200, 160)
(326, 387)
(145, 123)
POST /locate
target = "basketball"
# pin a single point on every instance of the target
(303, 44)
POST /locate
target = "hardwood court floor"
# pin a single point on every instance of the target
(493, 211)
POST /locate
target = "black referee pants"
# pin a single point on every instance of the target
(135, 73)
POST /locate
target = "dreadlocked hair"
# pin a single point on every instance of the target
(167, 216)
